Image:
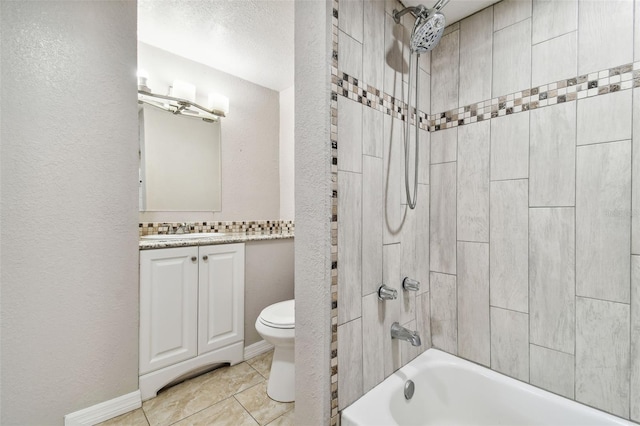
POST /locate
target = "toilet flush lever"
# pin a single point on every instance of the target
(410, 284)
(387, 293)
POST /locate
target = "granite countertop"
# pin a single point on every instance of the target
(210, 240)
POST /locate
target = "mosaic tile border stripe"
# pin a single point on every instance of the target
(245, 227)
(361, 92)
(611, 80)
(333, 355)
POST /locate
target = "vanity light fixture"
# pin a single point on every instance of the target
(182, 100)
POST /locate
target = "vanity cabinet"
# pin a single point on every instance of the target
(191, 311)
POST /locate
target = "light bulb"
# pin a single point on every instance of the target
(143, 75)
(183, 90)
(218, 102)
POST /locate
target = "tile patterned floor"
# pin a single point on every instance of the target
(227, 396)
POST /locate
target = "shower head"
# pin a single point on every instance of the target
(427, 32)
(428, 28)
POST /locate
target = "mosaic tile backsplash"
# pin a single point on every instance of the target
(244, 227)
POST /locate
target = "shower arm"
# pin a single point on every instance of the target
(399, 14)
(418, 10)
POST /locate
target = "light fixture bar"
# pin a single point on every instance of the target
(179, 106)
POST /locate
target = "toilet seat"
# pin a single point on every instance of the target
(279, 315)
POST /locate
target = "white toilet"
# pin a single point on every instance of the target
(276, 325)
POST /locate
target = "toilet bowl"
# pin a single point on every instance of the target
(276, 325)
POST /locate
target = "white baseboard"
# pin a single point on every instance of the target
(105, 410)
(256, 349)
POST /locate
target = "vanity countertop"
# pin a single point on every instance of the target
(206, 241)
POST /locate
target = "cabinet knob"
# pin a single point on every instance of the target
(193, 258)
(205, 257)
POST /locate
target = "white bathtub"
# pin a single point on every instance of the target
(452, 391)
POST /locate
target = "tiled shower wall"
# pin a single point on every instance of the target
(379, 239)
(531, 248)
(526, 237)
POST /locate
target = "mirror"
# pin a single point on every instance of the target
(179, 162)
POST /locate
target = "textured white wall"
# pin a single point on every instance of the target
(287, 154)
(313, 210)
(250, 138)
(68, 208)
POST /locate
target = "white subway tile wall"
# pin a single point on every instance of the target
(444, 146)
(509, 12)
(476, 44)
(510, 147)
(473, 182)
(552, 370)
(603, 225)
(510, 343)
(509, 233)
(445, 70)
(552, 156)
(523, 233)
(442, 234)
(350, 379)
(605, 37)
(349, 246)
(635, 340)
(554, 59)
(551, 18)
(350, 56)
(372, 199)
(512, 58)
(552, 278)
(636, 44)
(444, 319)
(602, 334)
(474, 327)
(635, 166)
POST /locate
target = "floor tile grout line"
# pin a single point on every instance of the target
(252, 416)
(262, 379)
(242, 405)
(145, 415)
(199, 411)
(245, 408)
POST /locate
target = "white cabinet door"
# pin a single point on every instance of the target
(168, 306)
(221, 296)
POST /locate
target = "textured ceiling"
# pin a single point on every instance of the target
(251, 39)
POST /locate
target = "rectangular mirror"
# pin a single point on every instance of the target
(179, 162)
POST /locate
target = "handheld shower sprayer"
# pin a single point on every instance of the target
(426, 34)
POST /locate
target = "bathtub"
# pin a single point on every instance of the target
(452, 391)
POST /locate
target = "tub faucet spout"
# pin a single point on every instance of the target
(399, 332)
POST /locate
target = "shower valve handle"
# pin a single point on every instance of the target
(387, 293)
(410, 284)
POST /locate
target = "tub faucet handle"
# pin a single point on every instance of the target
(410, 284)
(387, 293)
